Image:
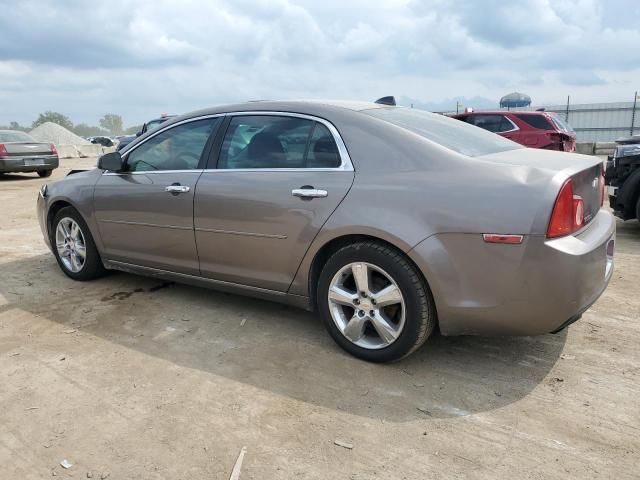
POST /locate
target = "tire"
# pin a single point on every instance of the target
(44, 173)
(410, 330)
(91, 267)
(638, 208)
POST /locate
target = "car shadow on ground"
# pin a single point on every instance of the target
(281, 349)
(6, 177)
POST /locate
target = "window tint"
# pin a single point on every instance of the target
(15, 136)
(561, 124)
(536, 121)
(323, 151)
(493, 123)
(264, 141)
(178, 148)
(448, 132)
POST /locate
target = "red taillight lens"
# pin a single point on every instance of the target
(53, 149)
(568, 212)
(3, 151)
(602, 187)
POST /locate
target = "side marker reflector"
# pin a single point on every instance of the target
(500, 238)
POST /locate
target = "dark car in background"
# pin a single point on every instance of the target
(146, 127)
(622, 178)
(531, 129)
(19, 152)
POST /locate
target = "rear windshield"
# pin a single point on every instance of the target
(15, 137)
(448, 132)
(561, 124)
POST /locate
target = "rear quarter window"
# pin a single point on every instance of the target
(536, 121)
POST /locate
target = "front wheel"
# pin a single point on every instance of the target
(374, 302)
(44, 173)
(74, 247)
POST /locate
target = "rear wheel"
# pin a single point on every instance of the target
(73, 246)
(44, 173)
(374, 302)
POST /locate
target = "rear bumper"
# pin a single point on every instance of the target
(537, 287)
(21, 164)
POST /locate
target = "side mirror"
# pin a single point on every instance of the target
(111, 161)
(138, 133)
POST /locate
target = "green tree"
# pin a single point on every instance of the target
(54, 117)
(85, 130)
(14, 126)
(133, 129)
(112, 123)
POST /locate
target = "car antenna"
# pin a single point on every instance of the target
(390, 100)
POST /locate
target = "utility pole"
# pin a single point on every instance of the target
(457, 106)
(633, 112)
(566, 115)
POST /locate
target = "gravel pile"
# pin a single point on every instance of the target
(53, 133)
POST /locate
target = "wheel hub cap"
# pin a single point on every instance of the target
(366, 305)
(71, 246)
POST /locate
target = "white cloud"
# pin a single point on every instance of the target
(143, 57)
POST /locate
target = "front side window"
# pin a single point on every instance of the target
(270, 141)
(178, 148)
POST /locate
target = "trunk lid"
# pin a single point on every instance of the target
(557, 167)
(27, 149)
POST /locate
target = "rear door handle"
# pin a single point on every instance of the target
(177, 189)
(309, 193)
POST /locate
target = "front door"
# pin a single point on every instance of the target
(278, 179)
(145, 214)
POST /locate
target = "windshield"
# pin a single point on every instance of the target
(561, 124)
(448, 132)
(153, 124)
(15, 137)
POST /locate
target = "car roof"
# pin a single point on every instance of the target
(13, 131)
(311, 107)
(504, 112)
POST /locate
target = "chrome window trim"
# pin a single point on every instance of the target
(346, 165)
(157, 132)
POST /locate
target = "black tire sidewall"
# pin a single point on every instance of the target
(398, 271)
(92, 267)
(44, 173)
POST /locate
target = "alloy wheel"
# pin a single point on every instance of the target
(367, 305)
(71, 245)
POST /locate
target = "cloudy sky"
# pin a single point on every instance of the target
(140, 58)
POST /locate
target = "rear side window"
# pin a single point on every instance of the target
(269, 141)
(493, 123)
(448, 132)
(536, 121)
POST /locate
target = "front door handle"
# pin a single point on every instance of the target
(309, 193)
(175, 189)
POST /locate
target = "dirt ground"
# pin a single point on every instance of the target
(131, 378)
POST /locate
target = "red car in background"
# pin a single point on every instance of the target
(531, 129)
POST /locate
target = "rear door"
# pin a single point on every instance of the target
(279, 177)
(145, 214)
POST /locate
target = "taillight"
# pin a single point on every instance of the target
(568, 212)
(54, 150)
(3, 151)
(602, 187)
